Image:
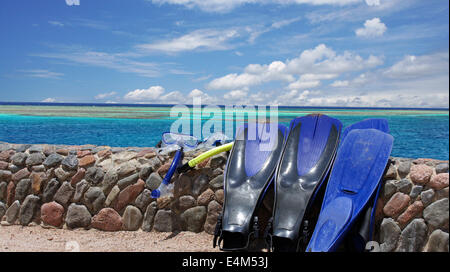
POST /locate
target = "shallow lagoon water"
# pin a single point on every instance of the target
(417, 133)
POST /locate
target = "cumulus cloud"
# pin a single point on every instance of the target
(49, 100)
(372, 28)
(373, 2)
(419, 66)
(340, 83)
(152, 93)
(105, 95)
(312, 66)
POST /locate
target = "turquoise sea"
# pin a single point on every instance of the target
(417, 132)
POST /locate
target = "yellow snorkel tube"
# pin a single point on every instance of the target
(192, 163)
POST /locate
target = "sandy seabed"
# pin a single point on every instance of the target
(36, 239)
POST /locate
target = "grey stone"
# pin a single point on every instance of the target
(80, 189)
(403, 168)
(3, 209)
(413, 236)
(23, 148)
(217, 161)
(126, 169)
(5, 146)
(53, 160)
(216, 183)
(437, 242)
(154, 163)
(132, 218)
(415, 191)
(14, 168)
(199, 185)
(440, 194)
(35, 149)
(182, 186)
(28, 209)
(70, 163)
(38, 168)
(127, 181)
(94, 175)
(12, 213)
(164, 221)
(109, 181)
(62, 175)
(19, 159)
(5, 175)
(94, 199)
(149, 216)
(389, 234)
(437, 214)
(391, 173)
(143, 200)
(50, 189)
(3, 186)
(64, 194)
(442, 168)
(23, 188)
(193, 219)
(427, 197)
(112, 196)
(186, 202)
(35, 159)
(145, 172)
(403, 185)
(78, 216)
(153, 181)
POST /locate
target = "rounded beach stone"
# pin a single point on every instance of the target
(64, 194)
(94, 199)
(442, 168)
(217, 161)
(164, 221)
(112, 196)
(12, 213)
(94, 175)
(389, 234)
(427, 197)
(19, 159)
(28, 209)
(214, 209)
(132, 218)
(193, 219)
(83, 153)
(3, 165)
(3, 191)
(219, 196)
(79, 176)
(126, 169)
(52, 214)
(149, 216)
(205, 197)
(35, 149)
(437, 242)
(145, 172)
(14, 168)
(164, 202)
(403, 185)
(62, 175)
(153, 181)
(10, 191)
(6, 155)
(23, 188)
(396, 204)
(86, 161)
(143, 200)
(437, 214)
(128, 181)
(5, 175)
(420, 174)
(78, 216)
(38, 168)
(404, 168)
(129, 194)
(37, 180)
(391, 173)
(53, 160)
(439, 181)
(21, 174)
(107, 219)
(216, 183)
(415, 191)
(3, 209)
(109, 181)
(35, 159)
(80, 189)
(413, 211)
(186, 202)
(413, 236)
(70, 163)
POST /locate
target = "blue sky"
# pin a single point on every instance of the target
(286, 52)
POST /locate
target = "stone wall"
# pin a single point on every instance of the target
(109, 189)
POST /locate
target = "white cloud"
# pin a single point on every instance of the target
(49, 100)
(42, 73)
(105, 95)
(340, 83)
(56, 23)
(206, 39)
(372, 28)
(228, 5)
(373, 2)
(419, 66)
(152, 93)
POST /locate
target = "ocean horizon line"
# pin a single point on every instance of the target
(86, 104)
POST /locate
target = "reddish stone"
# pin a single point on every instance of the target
(62, 151)
(78, 177)
(439, 181)
(3, 165)
(420, 174)
(162, 170)
(52, 214)
(107, 219)
(147, 153)
(203, 163)
(129, 194)
(205, 197)
(411, 212)
(83, 153)
(219, 196)
(10, 193)
(86, 161)
(398, 202)
(21, 174)
(104, 153)
(36, 181)
(163, 202)
(5, 155)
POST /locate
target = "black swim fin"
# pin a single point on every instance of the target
(249, 172)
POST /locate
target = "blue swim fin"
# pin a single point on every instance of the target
(307, 157)
(249, 172)
(354, 179)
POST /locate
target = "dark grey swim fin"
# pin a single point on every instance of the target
(249, 172)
